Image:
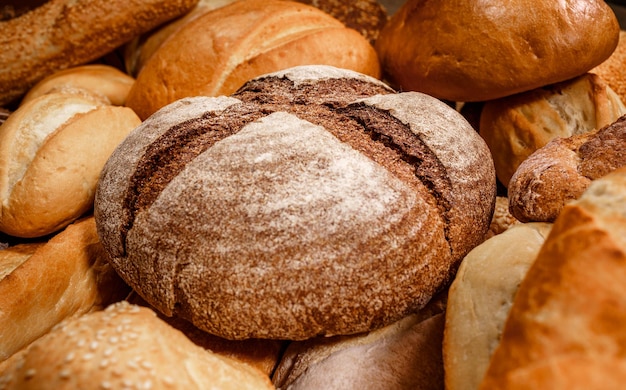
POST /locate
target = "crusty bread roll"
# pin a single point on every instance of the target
(515, 126)
(65, 276)
(124, 346)
(567, 326)
(64, 33)
(612, 69)
(365, 16)
(476, 50)
(480, 298)
(401, 356)
(98, 79)
(314, 201)
(13, 256)
(561, 171)
(218, 52)
(52, 150)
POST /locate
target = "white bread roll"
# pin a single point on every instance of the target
(477, 50)
(480, 298)
(63, 33)
(52, 150)
(98, 79)
(567, 326)
(124, 346)
(49, 281)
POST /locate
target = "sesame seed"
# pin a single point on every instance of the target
(106, 385)
(64, 374)
(69, 357)
(113, 339)
(30, 373)
(93, 346)
(87, 357)
(108, 352)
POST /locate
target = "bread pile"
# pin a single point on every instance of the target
(311, 194)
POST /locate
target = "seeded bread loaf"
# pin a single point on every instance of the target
(313, 201)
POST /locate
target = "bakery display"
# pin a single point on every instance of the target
(566, 325)
(44, 282)
(516, 126)
(219, 51)
(64, 33)
(314, 201)
(480, 50)
(52, 150)
(124, 346)
(480, 298)
(311, 194)
(562, 170)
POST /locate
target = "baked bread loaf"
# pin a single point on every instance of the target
(515, 126)
(403, 355)
(612, 69)
(477, 50)
(218, 52)
(480, 298)
(566, 328)
(561, 171)
(63, 33)
(98, 79)
(124, 346)
(314, 201)
(52, 150)
(365, 16)
(46, 282)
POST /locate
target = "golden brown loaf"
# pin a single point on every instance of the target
(476, 50)
(52, 150)
(612, 69)
(567, 325)
(561, 171)
(316, 200)
(124, 346)
(218, 52)
(515, 126)
(65, 276)
(64, 33)
(98, 79)
(480, 298)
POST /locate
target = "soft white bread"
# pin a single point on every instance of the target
(314, 201)
(124, 346)
(52, 150)
(65, 33)
(403, 355)
(98, 79)
(477, 50)
(567, 326)
(480, 298)
(219, 51)
(65, 276)
(515, 126)
(562, 170)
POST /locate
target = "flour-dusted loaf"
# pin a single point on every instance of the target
(477, 50)
(314, 201)
(65, 33)
(515, 126)
(562, 170)
(219, 51)
(567, 326)
(124, 346)
(52, 150)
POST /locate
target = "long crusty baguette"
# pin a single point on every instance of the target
(64, 33)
